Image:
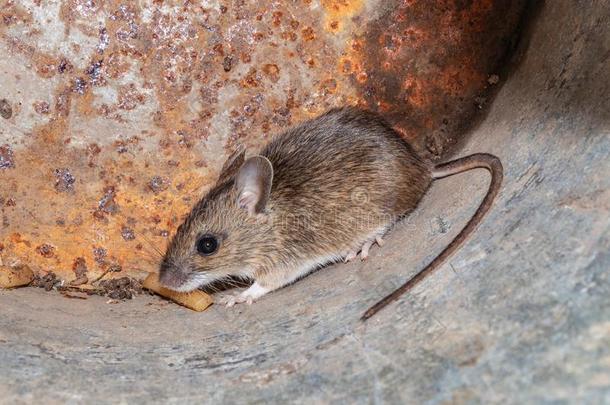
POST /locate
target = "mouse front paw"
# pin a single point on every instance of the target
(229, 300)
(248, 296)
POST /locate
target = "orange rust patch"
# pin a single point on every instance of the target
(308, 34)
(140, 109)
(46, 66)
(342, 8)
(429, 61)
(333, 26)
(12, 13)
(272, 71)
(328, 86)
(251, 79)
(84, 105)
(337, 11)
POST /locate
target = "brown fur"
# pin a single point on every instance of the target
(339, 180)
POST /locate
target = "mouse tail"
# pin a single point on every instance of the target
(475, 161)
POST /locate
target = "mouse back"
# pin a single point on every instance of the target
(342, 174)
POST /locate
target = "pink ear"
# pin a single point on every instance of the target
(253, 182)
(247, 200)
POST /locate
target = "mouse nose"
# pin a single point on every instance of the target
(172, 277)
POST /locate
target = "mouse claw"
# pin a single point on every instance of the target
(364, 253)
(227, 300)
(351, 255)
(379, 241)
(249, 300)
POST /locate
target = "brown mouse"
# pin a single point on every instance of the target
(319, 193)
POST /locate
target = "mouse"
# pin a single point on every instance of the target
(323, 191)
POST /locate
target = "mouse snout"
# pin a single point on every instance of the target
(173, 277)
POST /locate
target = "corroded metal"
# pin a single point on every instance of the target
(115, 116)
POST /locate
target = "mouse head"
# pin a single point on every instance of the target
(226, 233)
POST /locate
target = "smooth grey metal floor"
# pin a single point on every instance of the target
(520, 315)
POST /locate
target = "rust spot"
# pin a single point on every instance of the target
(80, 86)
(218, 49)
(42, 107)
(329, 86)
(251, 79)
(6, 157)
(104, 40)
(158, 184)
(64, 66)
(362, 78)
(99, 255)
(64, 180)
(308, 34)
(94, 71)
(107, 203)
(130, 97)
(289, 36)
(93, 149)
(127, 233)
(345, 65)
(227, 63)
(345, 8)
(12, 13)
(45, 250)
(272, 71)
(6, 111)
(62, 103)
(46, 66)
(277, 18)
(245, 57)
(79, 267)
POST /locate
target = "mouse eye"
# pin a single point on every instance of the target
(207, 245)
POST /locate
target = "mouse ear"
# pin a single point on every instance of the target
(232, 164)
(253, 183)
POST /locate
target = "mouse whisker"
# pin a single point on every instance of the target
(156, 250)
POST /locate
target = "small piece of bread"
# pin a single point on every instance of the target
(18, 276)
(196, 300)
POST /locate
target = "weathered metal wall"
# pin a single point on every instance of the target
(115, 116)
(519, 315)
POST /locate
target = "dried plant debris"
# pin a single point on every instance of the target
(124, 288)
(75, 295)
(49, 281)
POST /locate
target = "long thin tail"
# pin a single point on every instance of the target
(478, 160)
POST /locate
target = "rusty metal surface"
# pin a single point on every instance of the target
(519, 315)
(117, 115)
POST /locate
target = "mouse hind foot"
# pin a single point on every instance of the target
(364, 249)
(364, 253)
